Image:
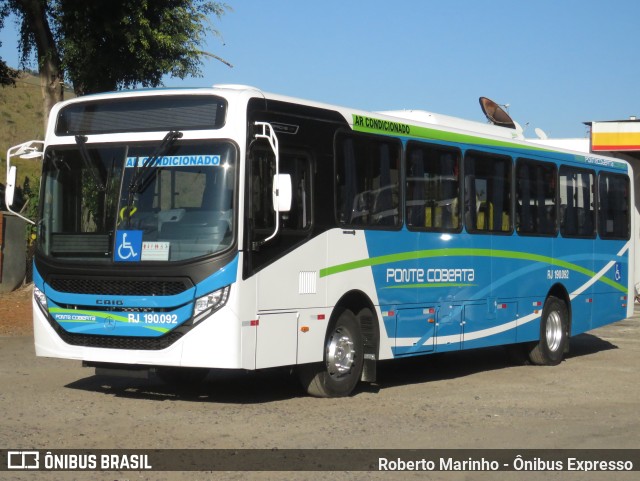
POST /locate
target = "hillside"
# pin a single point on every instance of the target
(21, 119)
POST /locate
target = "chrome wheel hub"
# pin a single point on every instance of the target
(340, 352)
(554, 331)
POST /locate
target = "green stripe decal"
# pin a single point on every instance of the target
(100, 317)
(158, 329)
(59, 310)
(373, 125)
(378, 126)
(462, 252)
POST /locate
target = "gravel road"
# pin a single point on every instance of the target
(472, 399)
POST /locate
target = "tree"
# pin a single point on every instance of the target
(7, 74)
(139, 41)
(104, 45)
(36, 33)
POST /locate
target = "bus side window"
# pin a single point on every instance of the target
(367, 181)
(613, 207)
(577, 202)
(535, 198)
(432, 187)
(487, 184)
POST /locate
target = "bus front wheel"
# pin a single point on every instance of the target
(554, 334)
(341, 368)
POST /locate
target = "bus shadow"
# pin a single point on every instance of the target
(279, 384)
(459, 364)
(587, 344)
(438, 367)
(218, 387)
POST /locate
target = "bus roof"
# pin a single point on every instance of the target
(425, 124)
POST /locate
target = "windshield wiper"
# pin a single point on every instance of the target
(144, 174)
(81, 141)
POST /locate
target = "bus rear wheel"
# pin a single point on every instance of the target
(554, 334)
(341, 368)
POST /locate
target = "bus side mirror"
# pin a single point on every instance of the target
(11, 186)
(282, 193)
(27, 150)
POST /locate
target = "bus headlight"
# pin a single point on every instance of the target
(210, 303)
(41, 299)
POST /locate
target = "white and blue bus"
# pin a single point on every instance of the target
(184, 230)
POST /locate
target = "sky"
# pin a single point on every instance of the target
(556, 63)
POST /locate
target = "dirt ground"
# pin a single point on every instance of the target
(475, 399)
(15, 312)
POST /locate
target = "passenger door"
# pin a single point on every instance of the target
(278, 282)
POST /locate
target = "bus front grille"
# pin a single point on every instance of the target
(121, 287)
(120, 342)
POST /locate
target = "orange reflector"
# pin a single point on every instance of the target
(431, 320)
(304, 329)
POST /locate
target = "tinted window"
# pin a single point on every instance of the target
(367, 177)
(487, 190)
(613, 212)
(577, 202)
(262, 171)
(535, 198)
(433, 189)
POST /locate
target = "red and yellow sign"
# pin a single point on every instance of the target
(615, 136)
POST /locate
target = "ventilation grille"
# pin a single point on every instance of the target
(120, 342)
(121, 287)
(307, 282)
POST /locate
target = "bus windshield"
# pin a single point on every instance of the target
(113, 203)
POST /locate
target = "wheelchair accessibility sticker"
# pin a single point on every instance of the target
(128, 246)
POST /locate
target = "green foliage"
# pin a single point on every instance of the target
(106, 45)
(7, 74)
(30, 197)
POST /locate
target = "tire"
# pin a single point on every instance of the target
(340, 371)
(554, 334)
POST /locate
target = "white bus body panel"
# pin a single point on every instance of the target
(291, 288)
(214, 342)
